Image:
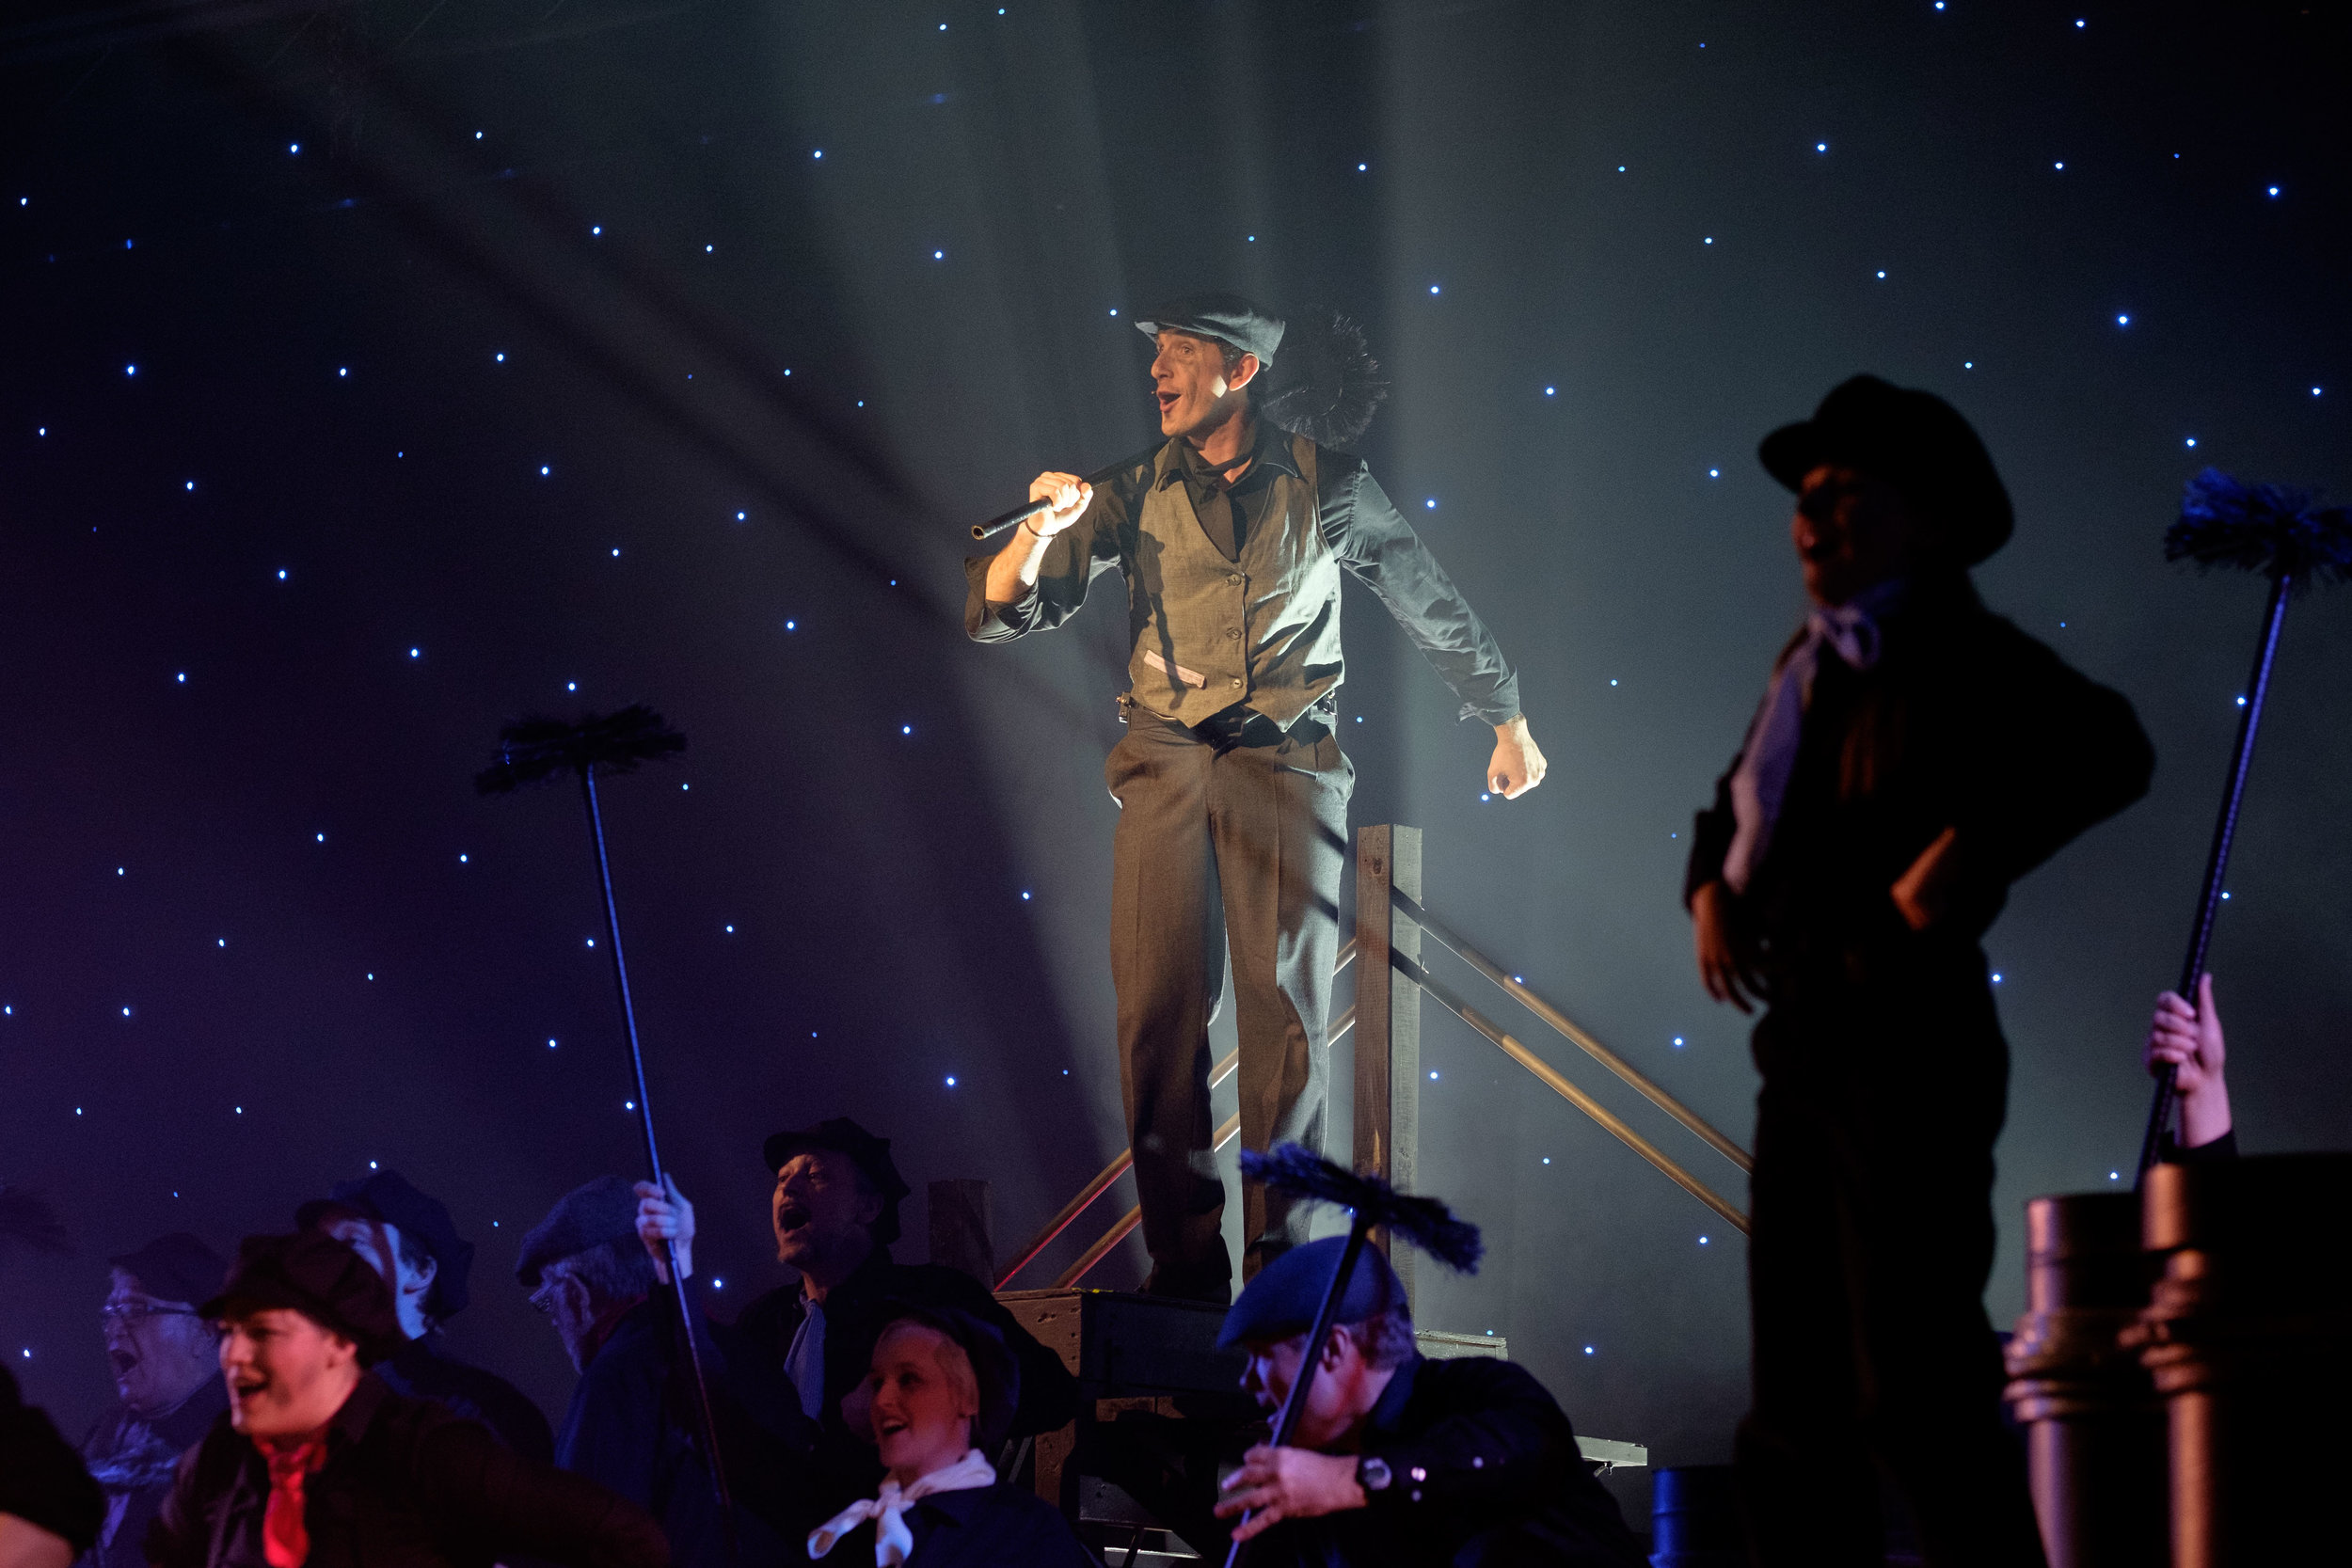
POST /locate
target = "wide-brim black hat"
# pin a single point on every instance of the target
(870, 1155)
(389, 1198)
(1913, 440)
(994, 1367)
(1229, 318)
(318, 1276)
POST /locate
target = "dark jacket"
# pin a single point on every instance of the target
(856, 1313)
(1485, 1473)
(134, 1460)
(1965, 722)
(406, 1485)
(423, 1370)
(634, 1426)
(986, 1527)
(42, 1479)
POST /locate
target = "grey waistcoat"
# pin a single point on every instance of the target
(1209, 632)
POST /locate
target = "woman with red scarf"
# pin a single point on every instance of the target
(318, 1464)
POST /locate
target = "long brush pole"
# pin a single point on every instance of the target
(1310, 1365)
(2218, 860)
(653, 1153)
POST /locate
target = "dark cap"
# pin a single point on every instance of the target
(1288, 1292)
(387, 1197)
(176, 1267)
(870, 1155)
(319, 1277)
(1228, 317)
(1910, 439)
(993, 1367)
(589, 1215)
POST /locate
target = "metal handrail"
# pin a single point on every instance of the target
(1574, 1036)
(1553, 1080)
(1126, 1223)
(1125, 1159)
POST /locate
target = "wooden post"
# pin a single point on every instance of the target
(961, 1234)
(1387, 1017)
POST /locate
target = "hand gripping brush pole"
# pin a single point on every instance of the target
(1370, 1201)
(1327, 389)
(2277, 531)
(534, 749)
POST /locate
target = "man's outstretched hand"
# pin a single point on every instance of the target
(1517, 764)
(1275, 1484)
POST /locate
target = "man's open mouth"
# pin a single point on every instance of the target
(123, 1362)
(1168, 401)
(789, 1219)
(889, 1429)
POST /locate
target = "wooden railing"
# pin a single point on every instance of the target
(1390, 980)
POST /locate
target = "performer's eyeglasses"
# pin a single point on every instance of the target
(133, 1313)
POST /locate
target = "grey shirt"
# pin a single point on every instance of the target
(1360, 526)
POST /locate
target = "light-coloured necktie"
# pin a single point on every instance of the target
(1768, 756)
(805, 1360)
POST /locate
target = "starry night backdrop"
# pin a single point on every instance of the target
(378, 373)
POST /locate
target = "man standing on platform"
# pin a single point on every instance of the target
(1232, 787)
(1913, 755)
(414, 1244)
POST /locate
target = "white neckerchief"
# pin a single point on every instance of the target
(1769, 755)
(893, 1541)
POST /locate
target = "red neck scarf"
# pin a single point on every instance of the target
(285, 1534)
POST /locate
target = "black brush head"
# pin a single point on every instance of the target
(531, 749)
(2271, 529)
(1325, 384)
(1426, 1223)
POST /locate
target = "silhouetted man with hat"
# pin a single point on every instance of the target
(1232, 787)
(318, 1464)
(1913, 755)
(166, 1360)
(1398, 1459)
(836, 1213)
(635, 1422)
(412, 1241)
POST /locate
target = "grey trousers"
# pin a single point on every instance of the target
(1223, 844)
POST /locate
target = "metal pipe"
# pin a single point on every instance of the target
(1126, 1223)
(1567, 1091)
(2217, 859)
(1576, 1037)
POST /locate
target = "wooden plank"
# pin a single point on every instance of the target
(1388, 1015)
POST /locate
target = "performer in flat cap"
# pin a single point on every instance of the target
(1232, 787)
(1913, 755)
(1399, 1459)
(318, 1464)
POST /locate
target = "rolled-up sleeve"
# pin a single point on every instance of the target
(1073, 559)
(1376, 542)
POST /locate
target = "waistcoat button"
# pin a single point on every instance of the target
(1233, 578)
(1232, 634)
(1236, 681)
